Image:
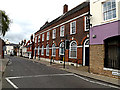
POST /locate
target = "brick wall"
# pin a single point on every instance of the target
(96, 58)
(78, 37)
(97, 61)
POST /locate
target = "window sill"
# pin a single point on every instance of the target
(109, 20)
(73, 57)
(110, 69)
(61, 54)
(53, 55)
(72, 33)
(86, 30)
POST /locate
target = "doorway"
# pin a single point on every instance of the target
(86, 53)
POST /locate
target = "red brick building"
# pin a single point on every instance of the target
(30, 47)
(71, 25)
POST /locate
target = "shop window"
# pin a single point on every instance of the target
(112, 53)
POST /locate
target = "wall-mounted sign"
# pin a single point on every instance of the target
(117, 73)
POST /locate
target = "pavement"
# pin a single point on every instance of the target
(81, 70)
(3, 63)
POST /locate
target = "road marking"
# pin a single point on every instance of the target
(108, 85)
(12, 83)
(68, 74)
(40, 76)
(8, 78)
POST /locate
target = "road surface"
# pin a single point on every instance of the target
(23, 73)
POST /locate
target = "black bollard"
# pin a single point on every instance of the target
(51, 60)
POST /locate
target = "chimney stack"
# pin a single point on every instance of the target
(65, 8)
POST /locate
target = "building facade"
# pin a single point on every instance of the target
(105, 37)
(10, 48)
(71, 26)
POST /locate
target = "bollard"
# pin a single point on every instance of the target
(51, 60)
(64, 62)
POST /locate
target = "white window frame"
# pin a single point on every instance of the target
(106, 17)
(60, 48)
(42, 51)
(54, 34)
(85, 23)
(62, 31)
(42, 37)
(48, 35)
(71, 27)
(53, 48)
(39, 38)
(47, 50)
(71, 50)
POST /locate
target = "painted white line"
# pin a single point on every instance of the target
(68, 74)
(12, 83)
(108, 85)
(8, 78)
(40, 76)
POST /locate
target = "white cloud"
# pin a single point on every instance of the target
(29, 15)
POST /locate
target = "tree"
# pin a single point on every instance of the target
(5, 22)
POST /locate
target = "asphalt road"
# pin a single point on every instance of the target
(24, 73)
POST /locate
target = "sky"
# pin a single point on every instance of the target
(28, 16)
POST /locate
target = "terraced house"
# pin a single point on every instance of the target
(73, 26)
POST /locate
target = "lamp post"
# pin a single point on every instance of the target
(66, 46)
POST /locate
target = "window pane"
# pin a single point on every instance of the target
(62, 31)
(114, 13)
(113, 4)
(42, 52)
(109, 15)
(53, 50)
(109, 5)
(47, 50)
(104, 7)
(73, 53)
